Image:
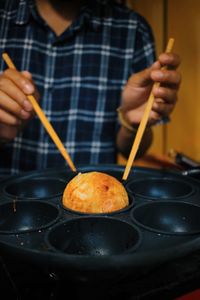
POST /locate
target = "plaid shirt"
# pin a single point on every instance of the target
(80, 76)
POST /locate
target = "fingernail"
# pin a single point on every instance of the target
(159, 74)
(28, 88)
(156, 89)
(27, 105)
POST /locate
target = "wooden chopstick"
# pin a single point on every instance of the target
(44, 120)
(143, 122)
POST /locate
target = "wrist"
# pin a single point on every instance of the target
(124, 122)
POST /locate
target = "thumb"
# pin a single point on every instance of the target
(143, 78)
(28, 75)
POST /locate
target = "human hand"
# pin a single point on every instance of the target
(15, 108)
(139, 85)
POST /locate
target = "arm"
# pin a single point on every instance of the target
(125, 140)
(136, 93)
(137, 90)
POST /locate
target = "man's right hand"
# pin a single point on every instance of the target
(15, 108)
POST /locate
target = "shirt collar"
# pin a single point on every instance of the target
(90, 14)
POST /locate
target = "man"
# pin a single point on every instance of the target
(83, 59)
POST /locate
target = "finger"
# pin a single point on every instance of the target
(21, 81)
(9, 88)
(7, 104)
(154, 117)
(171, 60)
(166, 76)
(14, 92)
(162, 109)
(28, 75)
(165, 94)
(8, 119)
(143, 78)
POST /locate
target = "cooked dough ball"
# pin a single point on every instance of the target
(95, 192)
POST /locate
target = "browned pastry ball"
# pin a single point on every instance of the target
(95, 192)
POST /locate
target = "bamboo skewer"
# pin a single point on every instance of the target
(44, 120)
(143, 122)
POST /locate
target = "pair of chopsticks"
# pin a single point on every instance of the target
(143, 122)
(44, 120)
(58, 142)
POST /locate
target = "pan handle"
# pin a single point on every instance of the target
(190, 167)
(183, 160)
(192, 172)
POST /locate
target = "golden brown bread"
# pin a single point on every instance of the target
(94, 192)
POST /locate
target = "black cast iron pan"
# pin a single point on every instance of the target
(160, 225)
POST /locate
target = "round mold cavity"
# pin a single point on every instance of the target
(160, 188)
(167, 217)
(35, 187)
(93, 236)
(26, 216)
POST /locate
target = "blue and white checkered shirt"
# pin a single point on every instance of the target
(80, 76)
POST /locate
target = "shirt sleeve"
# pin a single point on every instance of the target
(144, 53)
